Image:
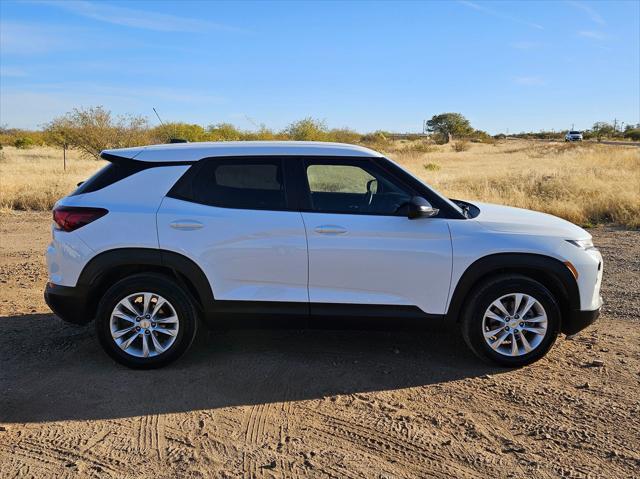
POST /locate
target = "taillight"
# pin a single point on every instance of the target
(70, 218)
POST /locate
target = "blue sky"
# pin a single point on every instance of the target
(367, 65)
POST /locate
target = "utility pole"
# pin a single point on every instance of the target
(615, 125)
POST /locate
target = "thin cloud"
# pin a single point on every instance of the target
(495, 13)
(143, 19)
(595, 35)
(25, 39)
(529, 81)
(593, 15)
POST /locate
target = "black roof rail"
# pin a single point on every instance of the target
(178, 140)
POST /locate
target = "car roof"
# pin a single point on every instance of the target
(188, 152)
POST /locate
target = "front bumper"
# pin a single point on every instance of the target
(578, 320)
(68, 303)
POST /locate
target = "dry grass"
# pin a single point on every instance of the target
(586, 184)
(33, 179)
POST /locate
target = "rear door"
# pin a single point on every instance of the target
(233, 217)
(362, 247)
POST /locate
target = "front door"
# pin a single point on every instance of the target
(362, 247)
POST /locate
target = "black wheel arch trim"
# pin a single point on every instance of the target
(107, 261)
(546, 269)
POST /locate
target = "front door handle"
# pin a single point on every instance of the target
(330, 230)
(186, 225)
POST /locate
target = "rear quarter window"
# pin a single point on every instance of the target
(110, 174)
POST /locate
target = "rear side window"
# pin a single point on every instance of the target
(252, 184)
(110, 174)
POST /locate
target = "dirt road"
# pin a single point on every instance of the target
(292, 404)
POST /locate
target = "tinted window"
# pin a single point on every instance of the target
(252, 184)
(337, 187)
(109, 175)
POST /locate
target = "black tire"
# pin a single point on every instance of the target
(481, 298)
(157, 284)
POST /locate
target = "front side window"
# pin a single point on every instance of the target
(349, 187)
(241, 183)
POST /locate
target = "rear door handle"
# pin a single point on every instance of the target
(186, 225)
(330, 230)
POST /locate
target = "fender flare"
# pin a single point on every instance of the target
(550, 271)
(106, 261)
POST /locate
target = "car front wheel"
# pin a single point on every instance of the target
(511, 320)
(146, 321)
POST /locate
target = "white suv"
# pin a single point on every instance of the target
(167, 235)
(573, 136)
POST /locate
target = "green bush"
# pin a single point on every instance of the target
(633, 134)
(431, 166)
(23, 143)
(307, 129)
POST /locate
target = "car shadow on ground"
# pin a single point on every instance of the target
(52, 371)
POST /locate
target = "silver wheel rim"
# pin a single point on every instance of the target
(514, 324)
(144, 325)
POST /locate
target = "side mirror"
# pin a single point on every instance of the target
(420, 208)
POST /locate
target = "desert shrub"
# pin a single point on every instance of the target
(633, 134)
(461, 145)
(377, 140)
(185, 131)
(440, 139)
(431, 166)
(343, 135)
(422, 147)
(223, 132)
(307, 129)
(23, 143)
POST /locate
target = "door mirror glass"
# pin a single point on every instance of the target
(420, 208)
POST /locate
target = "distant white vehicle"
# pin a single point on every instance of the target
(573, 136)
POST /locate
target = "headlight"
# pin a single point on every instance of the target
(584, 244)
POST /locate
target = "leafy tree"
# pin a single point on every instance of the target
(224, 132)
(94, 129)
(602, 129)
(185, 131)
(449, 125)
(307, 129)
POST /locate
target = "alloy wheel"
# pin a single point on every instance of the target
(144, 324)
(514, 324)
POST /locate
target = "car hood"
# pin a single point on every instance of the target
(520, 221)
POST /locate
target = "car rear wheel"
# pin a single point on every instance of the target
(511, 320)
(146, 321)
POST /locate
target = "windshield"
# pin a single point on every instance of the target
(444, 198)
(574, 133)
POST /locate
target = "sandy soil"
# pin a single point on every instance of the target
(293, 404)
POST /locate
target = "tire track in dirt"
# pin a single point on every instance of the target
(35, 452)
(150, 436)
(388, 445)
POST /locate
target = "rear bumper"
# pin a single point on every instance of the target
(68, 303)
(578, 320)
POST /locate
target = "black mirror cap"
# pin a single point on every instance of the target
(420, 208)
